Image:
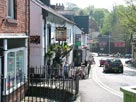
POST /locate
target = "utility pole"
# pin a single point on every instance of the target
(109, 43)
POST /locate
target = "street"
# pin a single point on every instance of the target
(105, 87)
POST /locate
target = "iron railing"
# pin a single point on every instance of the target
(37, 87)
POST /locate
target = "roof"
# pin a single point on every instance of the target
(49, 9)
(83, 23)
(70, 17)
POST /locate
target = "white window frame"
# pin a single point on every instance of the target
(11, 8)
(6, 91)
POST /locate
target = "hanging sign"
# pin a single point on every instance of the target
(61, 33)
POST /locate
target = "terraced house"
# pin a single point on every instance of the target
(13, 48)
(45, 23)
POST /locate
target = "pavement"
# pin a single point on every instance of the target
(130, 66)
(78, 99)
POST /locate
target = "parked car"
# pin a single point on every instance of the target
(128, 61)
(128, 55)
(102, 61)
(113, 65)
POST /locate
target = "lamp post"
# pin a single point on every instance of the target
(109, 43)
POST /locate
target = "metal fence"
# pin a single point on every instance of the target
(37, 87)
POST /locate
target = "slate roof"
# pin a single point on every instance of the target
(70, 17)
(82, 22)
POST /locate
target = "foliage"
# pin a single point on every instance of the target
(106, 25)
(49, 53)
(99, 15)
(60, 50)
(119, 22)
(128, 15)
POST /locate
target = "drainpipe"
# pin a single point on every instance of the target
(44, 40)
(5, 47)
(45, 14)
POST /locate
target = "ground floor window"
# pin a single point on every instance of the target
(15, 70)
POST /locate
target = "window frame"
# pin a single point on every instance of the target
(11, 8)
(16, 85)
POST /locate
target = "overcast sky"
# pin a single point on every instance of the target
(108, 4)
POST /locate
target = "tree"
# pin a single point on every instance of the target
(106, 28)
(99, 15)
(71, 6)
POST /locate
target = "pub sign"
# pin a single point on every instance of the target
(61, 33)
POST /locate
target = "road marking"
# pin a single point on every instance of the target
(96, 79)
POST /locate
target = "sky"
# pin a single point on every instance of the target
(108, 4)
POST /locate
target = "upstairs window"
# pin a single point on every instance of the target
(11, 9)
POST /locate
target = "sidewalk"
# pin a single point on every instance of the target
(130, 66)
(78, 99)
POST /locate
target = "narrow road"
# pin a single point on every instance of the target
(90, 91)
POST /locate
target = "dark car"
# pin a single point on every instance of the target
(128, 55)
(102, 61)
(128, 61)
(113, 65)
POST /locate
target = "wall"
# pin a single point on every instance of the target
(70, 40)
(14, 26)
(77, 36)
(36, 29)
(94, 34)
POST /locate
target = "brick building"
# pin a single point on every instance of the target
(14, 21)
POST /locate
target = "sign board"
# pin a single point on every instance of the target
(61, 33)
(78, 43)
(119, 44)
(35, 39)
(78, 37)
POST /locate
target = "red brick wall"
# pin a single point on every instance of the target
(20, 25)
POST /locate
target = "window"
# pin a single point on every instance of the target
(69, 35)
(11, 9)
(10, 69)
(15, 68)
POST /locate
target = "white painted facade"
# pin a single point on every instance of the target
(39, 26)
(94, 35)
(36, 28)
(78, 31)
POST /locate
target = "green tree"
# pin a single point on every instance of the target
(99, 15)
(106, 28)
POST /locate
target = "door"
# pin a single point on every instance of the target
(77, 56)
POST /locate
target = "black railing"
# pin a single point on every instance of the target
(37, 87)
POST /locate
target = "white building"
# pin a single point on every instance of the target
(43, 24)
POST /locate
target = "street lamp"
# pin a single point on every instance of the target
(109, 43)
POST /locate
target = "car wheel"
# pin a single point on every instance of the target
(121, 71)
(104, 71)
